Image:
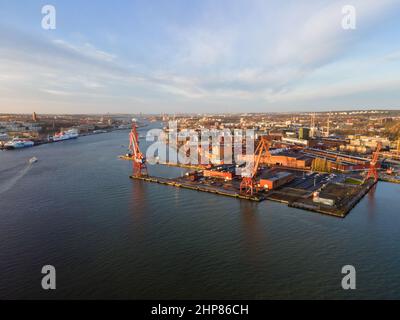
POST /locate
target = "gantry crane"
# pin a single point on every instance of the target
(138, 159)
(372, 172)
(249, 183)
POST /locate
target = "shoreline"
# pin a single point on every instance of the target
(339, 212)
(42, 142)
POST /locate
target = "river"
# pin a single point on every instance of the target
(113, 238)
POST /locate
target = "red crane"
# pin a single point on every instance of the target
(138, 159)
(372, 172)
(249, 184)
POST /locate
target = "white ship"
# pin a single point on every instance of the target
(18, 143)
(66, 135)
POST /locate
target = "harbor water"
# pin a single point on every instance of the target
(110, 237)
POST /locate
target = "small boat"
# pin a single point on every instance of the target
(126, 157)
(33, 160)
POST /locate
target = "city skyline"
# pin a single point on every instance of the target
(202, 57)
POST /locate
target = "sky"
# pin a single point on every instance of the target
(198, 56)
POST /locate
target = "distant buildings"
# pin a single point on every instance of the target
(304, 133)
(364, 144)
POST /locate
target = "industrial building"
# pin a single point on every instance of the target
(304, 133)
(326, 200)
(226, 172)
(285, 158)
(327, 143)
(226, 175)
(288, 159)
(338, 161)
(277, 180)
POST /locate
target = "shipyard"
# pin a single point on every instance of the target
(307, 166)
(323, 162)
(178, 151)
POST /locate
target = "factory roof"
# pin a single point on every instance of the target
(275, 175)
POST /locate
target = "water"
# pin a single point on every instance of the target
(111, 237)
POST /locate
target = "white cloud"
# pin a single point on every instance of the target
(86, 49)
(394, 56)
(254, 59)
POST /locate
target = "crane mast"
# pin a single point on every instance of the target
(138, 159)
(373, 172)
(249, 185)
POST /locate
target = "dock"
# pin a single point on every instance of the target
(340, 212)
(291, 199)
(193, 186)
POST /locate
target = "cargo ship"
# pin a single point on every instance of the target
(18, 143)
(66, 135)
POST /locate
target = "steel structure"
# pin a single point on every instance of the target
(398, 147)
(138, 159)
(249, 185)
(373, 172)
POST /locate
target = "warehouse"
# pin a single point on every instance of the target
(276, 181)
(289, 159)
(218, 174)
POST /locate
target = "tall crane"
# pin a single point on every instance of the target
(249, 184)
(372, 172)
(138, 159)
(312, 125)
(328, 125)
(398, 147)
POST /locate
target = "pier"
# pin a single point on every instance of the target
(194, 186)
(300, 201)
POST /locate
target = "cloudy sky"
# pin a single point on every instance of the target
(198, 56)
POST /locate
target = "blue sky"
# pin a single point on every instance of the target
(198, 56)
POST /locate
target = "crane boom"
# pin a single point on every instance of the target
(139, 160)
(372, 172)
(248, 184)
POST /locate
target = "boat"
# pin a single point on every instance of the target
(127, 156)
(66, 135)
(33, 160)
(18, 143)
(4, 136)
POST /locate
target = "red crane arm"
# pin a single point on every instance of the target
(139, 162)
(262, 146)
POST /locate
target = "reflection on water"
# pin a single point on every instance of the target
(254, 232)
(371, 202)
(138, 204)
